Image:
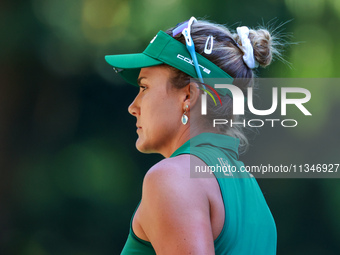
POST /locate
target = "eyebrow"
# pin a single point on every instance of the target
(139, 80)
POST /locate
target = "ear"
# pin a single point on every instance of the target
(192, 92)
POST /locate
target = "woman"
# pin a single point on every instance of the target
(180, 214)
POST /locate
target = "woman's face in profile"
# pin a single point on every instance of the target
(158, 109)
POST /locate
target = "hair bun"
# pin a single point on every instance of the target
(262, 45)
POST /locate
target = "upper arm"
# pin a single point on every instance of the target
(175, 211)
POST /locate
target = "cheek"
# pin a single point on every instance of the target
(161, 110)
(169, 118)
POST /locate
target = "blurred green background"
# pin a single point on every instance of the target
(70, 176)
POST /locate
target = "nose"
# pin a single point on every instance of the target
(133, 108)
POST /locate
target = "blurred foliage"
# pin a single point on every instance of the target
(70, 176)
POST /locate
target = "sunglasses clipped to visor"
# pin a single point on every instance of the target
(164, 49)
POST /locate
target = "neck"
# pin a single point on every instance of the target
(183, 136)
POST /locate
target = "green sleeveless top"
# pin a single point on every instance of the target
(249, 227)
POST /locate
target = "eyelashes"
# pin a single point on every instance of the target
(143, 88)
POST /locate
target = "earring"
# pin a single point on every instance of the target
(184, 117)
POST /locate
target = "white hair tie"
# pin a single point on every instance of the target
(247, 48)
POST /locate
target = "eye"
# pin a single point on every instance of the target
(143, 88)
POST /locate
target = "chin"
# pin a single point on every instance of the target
(140, 145)
(143, 147)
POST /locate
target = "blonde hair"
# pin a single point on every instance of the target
(228, 55)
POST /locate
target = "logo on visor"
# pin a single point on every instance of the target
(191, 62)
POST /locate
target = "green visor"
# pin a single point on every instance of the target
(164, 49)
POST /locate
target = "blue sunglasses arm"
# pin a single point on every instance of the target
(185, 30)
(192, 52)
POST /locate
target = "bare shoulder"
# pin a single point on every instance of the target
(173, 174)
(168, 186)
(168, 175)
(177, 166)
(175, 209)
